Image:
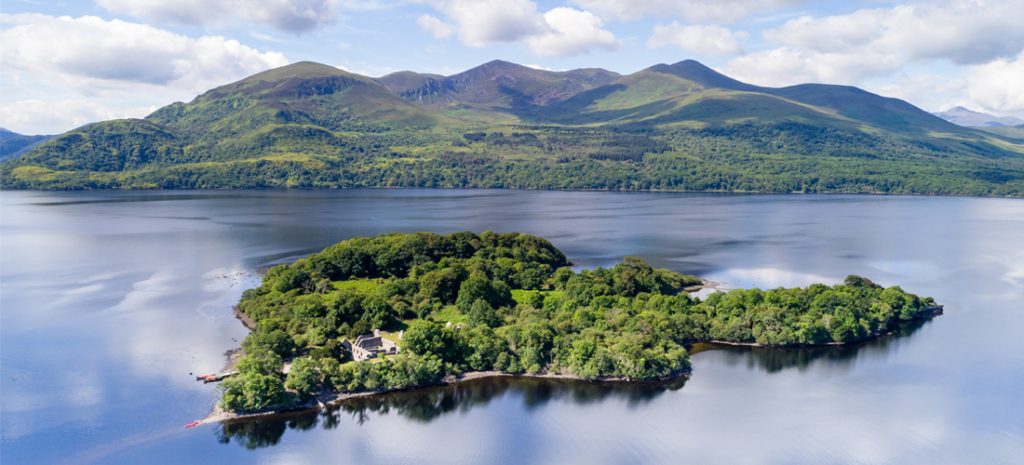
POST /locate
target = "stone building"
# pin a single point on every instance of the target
(369, 346)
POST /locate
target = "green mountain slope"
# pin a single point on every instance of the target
(682, 126)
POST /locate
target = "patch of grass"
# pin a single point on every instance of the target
(522, 296)
(450, 313)
(358, 285)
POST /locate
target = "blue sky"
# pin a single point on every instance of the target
(66, 63)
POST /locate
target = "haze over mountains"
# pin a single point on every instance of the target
(313, 125)
(965, 117)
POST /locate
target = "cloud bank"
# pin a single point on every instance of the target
(287, 15)
(123, 68)
(559, 32)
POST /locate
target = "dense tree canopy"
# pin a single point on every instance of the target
(511, 303)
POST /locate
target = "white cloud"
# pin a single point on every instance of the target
(95, 68)
(558, 32)
(94, 48)
(692, 10)
(481, 22)
(37, 116)
(543, 68)
(710, 39)
(932, 92)
(287, 15)
(787, 66)
(998, 86)
(886, 49)
(962, 31)
(571, 32)
(434, 26)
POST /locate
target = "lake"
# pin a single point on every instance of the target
(111, 301)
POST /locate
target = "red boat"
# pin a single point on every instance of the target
(194, 423)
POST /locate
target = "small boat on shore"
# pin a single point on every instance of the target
(214, 377)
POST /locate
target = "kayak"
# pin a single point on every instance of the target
(194, 423)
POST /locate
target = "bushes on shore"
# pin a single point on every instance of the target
(453, 298)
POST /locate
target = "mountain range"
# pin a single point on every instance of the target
(680, 126)
(965, 117)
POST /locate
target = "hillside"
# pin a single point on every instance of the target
(682, 126)
(13, 144)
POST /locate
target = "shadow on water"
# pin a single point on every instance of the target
(426, 405)
(776, 359)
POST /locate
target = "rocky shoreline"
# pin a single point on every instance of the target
(333, 398)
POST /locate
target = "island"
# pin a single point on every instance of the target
(371, 315)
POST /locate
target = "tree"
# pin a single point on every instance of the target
(858, 281)
(424, 337)
(442, 284)
(378, 312)
(304, 376)
(260, 361)
(251, 391)
(430, 338)
(482, 313)
(284, 278)
(477, 287)
(277, 341)
(474, 288)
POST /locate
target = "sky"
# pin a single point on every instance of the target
(68, 63)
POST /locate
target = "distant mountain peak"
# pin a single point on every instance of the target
(967, 117)
(299, 69)
(503, 63)
(695, 71)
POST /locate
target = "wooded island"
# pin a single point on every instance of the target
(396, 311)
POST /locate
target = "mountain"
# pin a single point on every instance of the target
(13, 144)
(681, 126)
(689, 92)
(496, 85)
(1013, 133)
(965, 117)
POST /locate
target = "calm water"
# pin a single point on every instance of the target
(110, 300)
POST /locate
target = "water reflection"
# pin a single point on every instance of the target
(427, 405)
(775, 359)
(110, 299)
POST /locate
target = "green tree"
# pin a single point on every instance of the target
(304, 376)
(482, 313)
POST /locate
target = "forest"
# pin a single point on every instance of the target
(512, 303)
(784, 158)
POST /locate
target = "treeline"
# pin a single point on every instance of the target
(510, 302)
(745, 158)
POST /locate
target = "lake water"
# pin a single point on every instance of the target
(110, 300)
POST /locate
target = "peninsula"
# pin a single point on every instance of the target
(398, 311)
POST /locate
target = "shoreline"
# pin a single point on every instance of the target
(328, 399)
(932, 312)
(462, 188)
